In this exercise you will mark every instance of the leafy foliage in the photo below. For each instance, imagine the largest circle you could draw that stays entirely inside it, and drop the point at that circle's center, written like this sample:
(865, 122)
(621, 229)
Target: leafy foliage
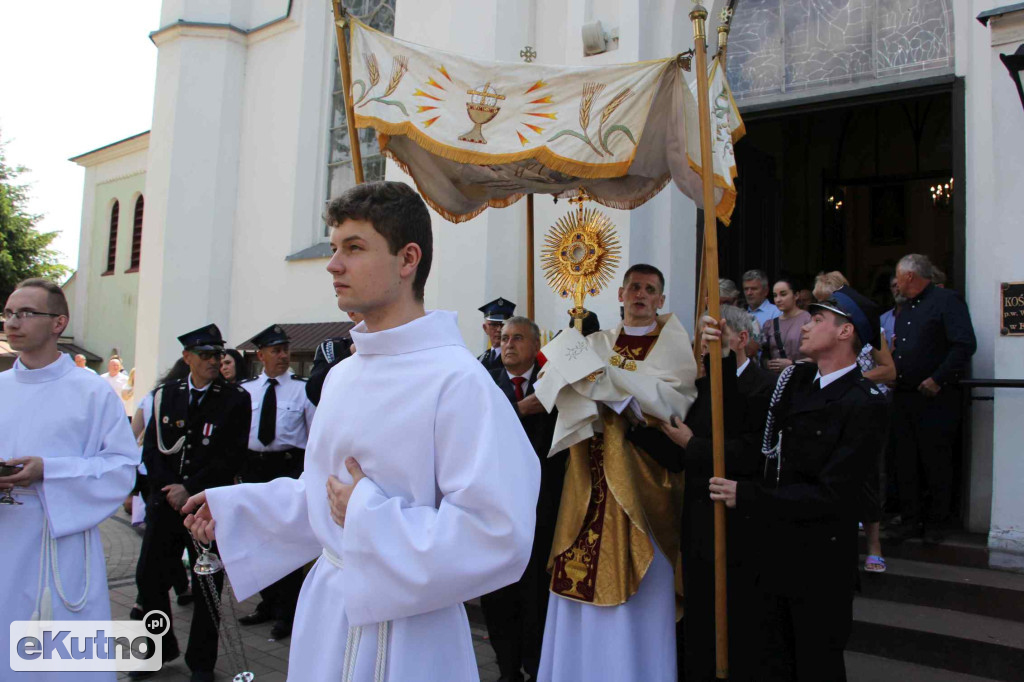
(24, 251)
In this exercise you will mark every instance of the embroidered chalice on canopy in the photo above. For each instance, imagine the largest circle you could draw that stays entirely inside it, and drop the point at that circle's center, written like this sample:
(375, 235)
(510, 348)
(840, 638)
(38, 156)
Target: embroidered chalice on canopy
(482, 107)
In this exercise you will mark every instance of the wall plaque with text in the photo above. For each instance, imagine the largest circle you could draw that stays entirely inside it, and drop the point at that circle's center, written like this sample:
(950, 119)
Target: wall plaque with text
(1012, 305)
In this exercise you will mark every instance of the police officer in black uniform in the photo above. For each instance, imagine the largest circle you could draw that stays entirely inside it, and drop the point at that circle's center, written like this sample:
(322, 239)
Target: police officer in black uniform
(495, 314)
(195, 440)
(281, 417)
(825, 428)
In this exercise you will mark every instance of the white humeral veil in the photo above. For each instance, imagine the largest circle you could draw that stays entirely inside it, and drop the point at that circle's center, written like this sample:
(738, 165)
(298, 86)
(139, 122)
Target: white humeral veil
(634, 641)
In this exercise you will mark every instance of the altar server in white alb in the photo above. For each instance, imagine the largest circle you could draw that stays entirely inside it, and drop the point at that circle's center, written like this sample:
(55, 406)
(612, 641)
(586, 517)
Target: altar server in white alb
(420, 485)
(66, 429)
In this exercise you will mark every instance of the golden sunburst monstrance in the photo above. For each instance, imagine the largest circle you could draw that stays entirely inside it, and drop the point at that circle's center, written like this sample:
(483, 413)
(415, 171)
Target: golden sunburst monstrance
(581, 253)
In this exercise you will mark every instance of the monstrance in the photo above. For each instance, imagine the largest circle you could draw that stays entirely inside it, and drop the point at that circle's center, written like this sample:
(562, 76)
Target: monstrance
(581, 254)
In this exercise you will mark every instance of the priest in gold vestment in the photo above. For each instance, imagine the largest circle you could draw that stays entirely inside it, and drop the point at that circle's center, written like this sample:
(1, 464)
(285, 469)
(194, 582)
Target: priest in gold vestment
(614, 561)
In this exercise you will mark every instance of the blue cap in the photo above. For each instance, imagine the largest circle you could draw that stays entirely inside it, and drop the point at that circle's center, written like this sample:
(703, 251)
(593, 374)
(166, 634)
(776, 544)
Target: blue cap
(859, 310)
(498, 310)
(271, 336)
(206, 338)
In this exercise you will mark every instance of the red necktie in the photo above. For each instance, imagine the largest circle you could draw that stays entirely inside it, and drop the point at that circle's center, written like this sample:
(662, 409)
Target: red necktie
(519, 381)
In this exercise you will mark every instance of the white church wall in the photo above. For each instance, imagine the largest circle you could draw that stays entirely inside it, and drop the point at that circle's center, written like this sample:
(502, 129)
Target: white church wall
(193, 181)
(997, 259)
(280, 184)
(972, 59)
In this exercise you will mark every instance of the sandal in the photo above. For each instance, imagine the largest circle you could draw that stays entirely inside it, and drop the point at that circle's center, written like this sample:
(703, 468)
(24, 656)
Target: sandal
(874, 564)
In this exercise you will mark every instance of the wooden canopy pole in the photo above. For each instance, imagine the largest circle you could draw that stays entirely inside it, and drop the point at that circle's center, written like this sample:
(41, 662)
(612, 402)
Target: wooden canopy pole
(699, 308)
(346, 83)
(699, 17)
(529, 258)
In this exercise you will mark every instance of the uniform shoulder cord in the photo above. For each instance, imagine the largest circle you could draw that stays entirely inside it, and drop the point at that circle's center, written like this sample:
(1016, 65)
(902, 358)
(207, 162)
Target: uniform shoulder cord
(774, 452)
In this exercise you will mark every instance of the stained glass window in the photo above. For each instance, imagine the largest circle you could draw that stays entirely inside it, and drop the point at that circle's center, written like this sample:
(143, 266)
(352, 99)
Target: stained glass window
(780, 47)
(380, 14)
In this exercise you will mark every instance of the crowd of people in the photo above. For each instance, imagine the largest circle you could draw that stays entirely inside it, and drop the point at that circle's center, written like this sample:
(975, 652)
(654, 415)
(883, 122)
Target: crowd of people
(572, 489)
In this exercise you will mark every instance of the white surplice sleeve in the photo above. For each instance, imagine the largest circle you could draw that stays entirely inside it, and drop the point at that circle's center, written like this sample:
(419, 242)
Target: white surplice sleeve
(263, 531)
(400, 561)
(79, 491)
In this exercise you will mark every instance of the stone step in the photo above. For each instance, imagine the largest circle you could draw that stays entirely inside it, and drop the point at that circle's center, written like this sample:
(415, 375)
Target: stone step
(983, 592)
(957, 549)
(943, 639)
(867, 668)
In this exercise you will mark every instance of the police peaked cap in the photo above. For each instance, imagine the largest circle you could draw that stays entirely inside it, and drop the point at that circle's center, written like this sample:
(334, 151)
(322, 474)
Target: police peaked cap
(271, 336)
(859, 310)
(206, 338)
(498, 310)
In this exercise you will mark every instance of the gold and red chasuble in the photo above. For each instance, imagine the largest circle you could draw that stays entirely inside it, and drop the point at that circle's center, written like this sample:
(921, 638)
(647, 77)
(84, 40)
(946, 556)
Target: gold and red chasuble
(600, 555)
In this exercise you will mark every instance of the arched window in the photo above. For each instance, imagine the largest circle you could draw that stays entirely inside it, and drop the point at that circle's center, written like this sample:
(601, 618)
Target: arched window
(137, 236)
(115, 212)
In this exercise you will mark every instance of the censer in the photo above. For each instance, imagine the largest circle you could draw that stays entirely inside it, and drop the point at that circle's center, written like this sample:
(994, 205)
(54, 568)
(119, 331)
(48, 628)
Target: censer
(208, 564)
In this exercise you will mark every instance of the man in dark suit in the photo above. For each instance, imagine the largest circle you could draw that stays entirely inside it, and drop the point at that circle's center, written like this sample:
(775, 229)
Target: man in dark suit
(196, 440)
(826, 425)
(495, 314)
(934, 342)
(686, 446)
(515, 614)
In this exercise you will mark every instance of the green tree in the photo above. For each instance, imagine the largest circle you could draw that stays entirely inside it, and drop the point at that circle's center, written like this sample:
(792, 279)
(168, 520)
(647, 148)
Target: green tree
(24, 251)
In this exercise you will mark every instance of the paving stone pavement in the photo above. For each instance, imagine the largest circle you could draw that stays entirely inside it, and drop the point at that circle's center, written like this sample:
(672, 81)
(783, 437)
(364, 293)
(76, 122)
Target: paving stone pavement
(267, 658)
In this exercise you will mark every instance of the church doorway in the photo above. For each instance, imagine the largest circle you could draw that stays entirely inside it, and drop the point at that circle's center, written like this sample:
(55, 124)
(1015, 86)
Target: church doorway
(851, 184)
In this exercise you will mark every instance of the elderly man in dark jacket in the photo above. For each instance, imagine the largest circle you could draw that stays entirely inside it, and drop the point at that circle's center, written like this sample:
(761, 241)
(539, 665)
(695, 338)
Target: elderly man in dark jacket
(932, 347)
(826, 426)
(515, 614)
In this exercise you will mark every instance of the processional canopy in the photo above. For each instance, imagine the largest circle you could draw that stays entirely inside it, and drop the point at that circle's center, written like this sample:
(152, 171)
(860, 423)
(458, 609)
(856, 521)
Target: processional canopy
(475, 134)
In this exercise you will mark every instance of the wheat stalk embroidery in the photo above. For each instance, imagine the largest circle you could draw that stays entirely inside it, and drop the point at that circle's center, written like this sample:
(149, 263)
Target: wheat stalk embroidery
(373, 72)
(591, 91)
(606, 114)
(399, 67)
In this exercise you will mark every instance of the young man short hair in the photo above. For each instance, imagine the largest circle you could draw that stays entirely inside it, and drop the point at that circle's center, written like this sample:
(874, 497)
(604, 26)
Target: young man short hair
(420, 486)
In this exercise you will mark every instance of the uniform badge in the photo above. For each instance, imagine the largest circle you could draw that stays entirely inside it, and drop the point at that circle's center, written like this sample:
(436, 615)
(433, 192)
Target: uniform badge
(166, 420)
(206, 441)
(874, 392)
(180, 423)
(207, 431)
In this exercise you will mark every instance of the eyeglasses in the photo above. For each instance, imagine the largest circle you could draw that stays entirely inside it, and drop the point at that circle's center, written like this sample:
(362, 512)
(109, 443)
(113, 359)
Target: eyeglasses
(206, 355)
(9, 315)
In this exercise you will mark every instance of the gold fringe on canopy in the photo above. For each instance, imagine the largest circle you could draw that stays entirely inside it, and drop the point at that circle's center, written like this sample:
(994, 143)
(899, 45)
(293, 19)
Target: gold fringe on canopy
(475, 134)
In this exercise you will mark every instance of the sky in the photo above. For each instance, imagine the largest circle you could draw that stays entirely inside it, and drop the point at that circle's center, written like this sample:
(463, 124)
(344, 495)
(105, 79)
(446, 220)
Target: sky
(76, 76)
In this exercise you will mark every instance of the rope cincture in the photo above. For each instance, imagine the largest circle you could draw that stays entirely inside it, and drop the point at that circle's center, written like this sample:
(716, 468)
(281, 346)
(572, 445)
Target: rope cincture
(774, 452)
(355, 635)
(49, 563)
